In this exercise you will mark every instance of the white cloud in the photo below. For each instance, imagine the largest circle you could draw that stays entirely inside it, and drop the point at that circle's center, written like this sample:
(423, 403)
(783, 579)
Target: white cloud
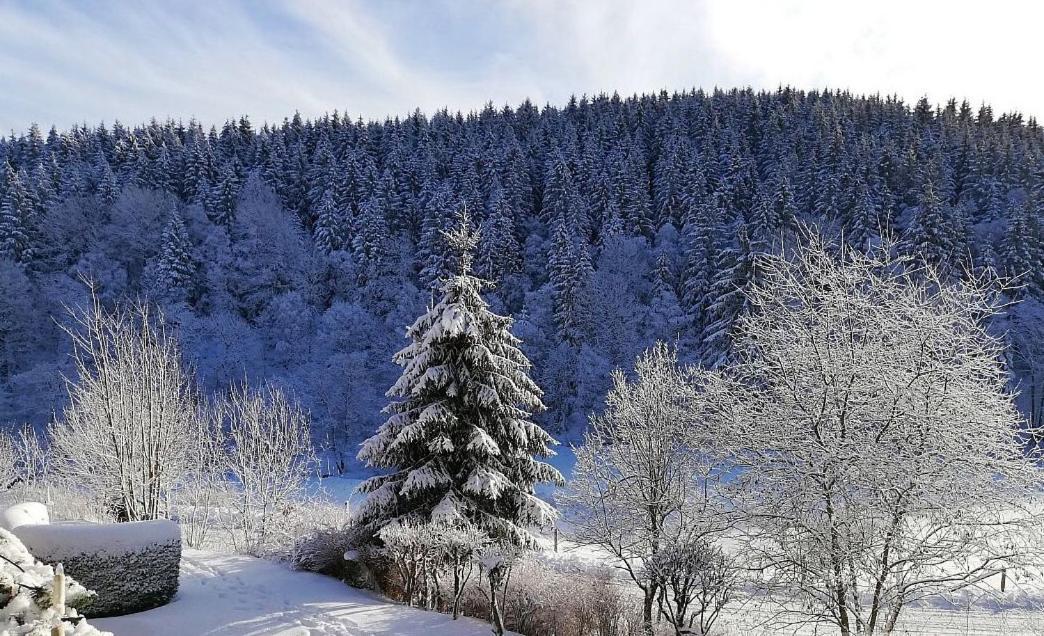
(61, 64)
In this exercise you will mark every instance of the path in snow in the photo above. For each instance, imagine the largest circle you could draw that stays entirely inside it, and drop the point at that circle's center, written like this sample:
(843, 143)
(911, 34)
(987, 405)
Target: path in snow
(233, 595)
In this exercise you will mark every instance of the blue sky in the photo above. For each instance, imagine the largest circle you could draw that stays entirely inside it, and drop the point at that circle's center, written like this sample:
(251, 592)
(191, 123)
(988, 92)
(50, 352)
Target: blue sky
(89, 60)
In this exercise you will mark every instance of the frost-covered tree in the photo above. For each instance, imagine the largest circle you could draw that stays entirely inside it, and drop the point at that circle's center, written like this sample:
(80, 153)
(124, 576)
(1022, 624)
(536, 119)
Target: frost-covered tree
(126, 436)
(331, 229)
(696, 580)
(269, 456)
(879, 455)
(176, 267)
(459, 438)
(569, 269)
(15, 218)
(646, 476)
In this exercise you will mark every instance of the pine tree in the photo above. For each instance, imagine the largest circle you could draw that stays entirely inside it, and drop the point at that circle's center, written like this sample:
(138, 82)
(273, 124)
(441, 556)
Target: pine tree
(936, 234)
(370, 237)
(733, 272)
(669, 181)
(1022, 253)
(176, 267)
(863, 222)
(431, 252)
(221, 202)
(569, 268)
(15, 218)
(499, 253)
(331, 225)
(666, 319)
(108, 188)
(459, 439)
(703, 241)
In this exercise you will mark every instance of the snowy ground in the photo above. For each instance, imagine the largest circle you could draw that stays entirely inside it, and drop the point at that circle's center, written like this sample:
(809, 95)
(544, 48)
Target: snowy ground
(232, 595)
(1020, 612)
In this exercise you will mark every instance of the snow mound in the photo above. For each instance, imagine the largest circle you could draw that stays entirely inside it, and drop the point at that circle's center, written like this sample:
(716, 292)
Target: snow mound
(20, 514)
(131, 566)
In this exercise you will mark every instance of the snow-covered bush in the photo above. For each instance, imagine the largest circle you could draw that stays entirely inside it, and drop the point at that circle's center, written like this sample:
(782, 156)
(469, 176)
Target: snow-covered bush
(269, 458)
(131, 567)
(414, 549)
(324, 535)
(8, 461)
(696, 580)
(27, 593)
(540, 598)
(203, 488)
(127, 434)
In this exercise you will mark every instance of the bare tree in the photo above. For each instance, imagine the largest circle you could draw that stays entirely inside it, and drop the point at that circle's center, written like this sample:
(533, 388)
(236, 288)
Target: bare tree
(203, 488)
(269, 458)
(696, 581)
(126, 436)
(647, 474)
(880, 457)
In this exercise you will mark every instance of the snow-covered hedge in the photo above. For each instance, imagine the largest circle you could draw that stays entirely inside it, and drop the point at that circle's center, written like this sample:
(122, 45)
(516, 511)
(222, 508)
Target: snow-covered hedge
(131, 566)
(26, 593)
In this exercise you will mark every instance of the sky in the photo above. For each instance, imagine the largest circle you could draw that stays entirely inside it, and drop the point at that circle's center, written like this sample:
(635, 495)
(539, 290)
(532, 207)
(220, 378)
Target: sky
(91, 61)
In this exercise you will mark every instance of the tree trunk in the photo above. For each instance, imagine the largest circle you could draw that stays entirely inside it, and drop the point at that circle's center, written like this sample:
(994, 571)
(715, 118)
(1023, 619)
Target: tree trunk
(647, 609)
(494, 602)
(456, 593)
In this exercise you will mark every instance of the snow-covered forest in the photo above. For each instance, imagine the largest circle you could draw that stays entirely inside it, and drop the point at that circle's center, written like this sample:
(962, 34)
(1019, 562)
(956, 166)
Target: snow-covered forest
(297, 253)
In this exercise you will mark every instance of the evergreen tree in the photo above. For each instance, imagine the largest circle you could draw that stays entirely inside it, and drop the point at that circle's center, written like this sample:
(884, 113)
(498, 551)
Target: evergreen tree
(331, 225)
(569, 268)
(370, 238)
(176, 268)
(459, 440)
(432, 251)
(15, 219)
(666, 320)
(704, 239)
(936, 234)
(499, 253)
(1022, 252)
(221, 203)
(733, 272)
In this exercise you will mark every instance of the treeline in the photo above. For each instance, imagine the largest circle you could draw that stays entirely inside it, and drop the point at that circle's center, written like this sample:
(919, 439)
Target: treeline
(299, 251)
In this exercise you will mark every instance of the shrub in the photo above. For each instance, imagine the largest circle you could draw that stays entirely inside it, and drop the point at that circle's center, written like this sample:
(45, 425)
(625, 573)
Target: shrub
(131, 566)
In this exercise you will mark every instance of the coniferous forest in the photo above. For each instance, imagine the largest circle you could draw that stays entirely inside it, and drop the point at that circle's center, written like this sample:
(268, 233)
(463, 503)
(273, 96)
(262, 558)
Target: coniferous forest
(300, 251)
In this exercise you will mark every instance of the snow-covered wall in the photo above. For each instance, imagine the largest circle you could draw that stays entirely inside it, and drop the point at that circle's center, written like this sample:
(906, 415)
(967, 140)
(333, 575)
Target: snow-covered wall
(132, 566)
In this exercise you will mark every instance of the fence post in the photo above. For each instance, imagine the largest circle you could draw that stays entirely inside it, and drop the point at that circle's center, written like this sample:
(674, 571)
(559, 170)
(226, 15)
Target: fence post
(556, 538)
(58, 599)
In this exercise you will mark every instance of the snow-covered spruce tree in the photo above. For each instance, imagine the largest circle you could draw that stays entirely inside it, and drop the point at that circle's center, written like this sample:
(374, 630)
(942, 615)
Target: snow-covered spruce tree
(459, 438)
(175, 268)
(879, 456)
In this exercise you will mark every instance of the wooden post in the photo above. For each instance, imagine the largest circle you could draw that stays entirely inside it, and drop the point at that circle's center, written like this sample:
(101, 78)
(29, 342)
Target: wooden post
(1004, 579)
(556, 538)
(58, 599)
